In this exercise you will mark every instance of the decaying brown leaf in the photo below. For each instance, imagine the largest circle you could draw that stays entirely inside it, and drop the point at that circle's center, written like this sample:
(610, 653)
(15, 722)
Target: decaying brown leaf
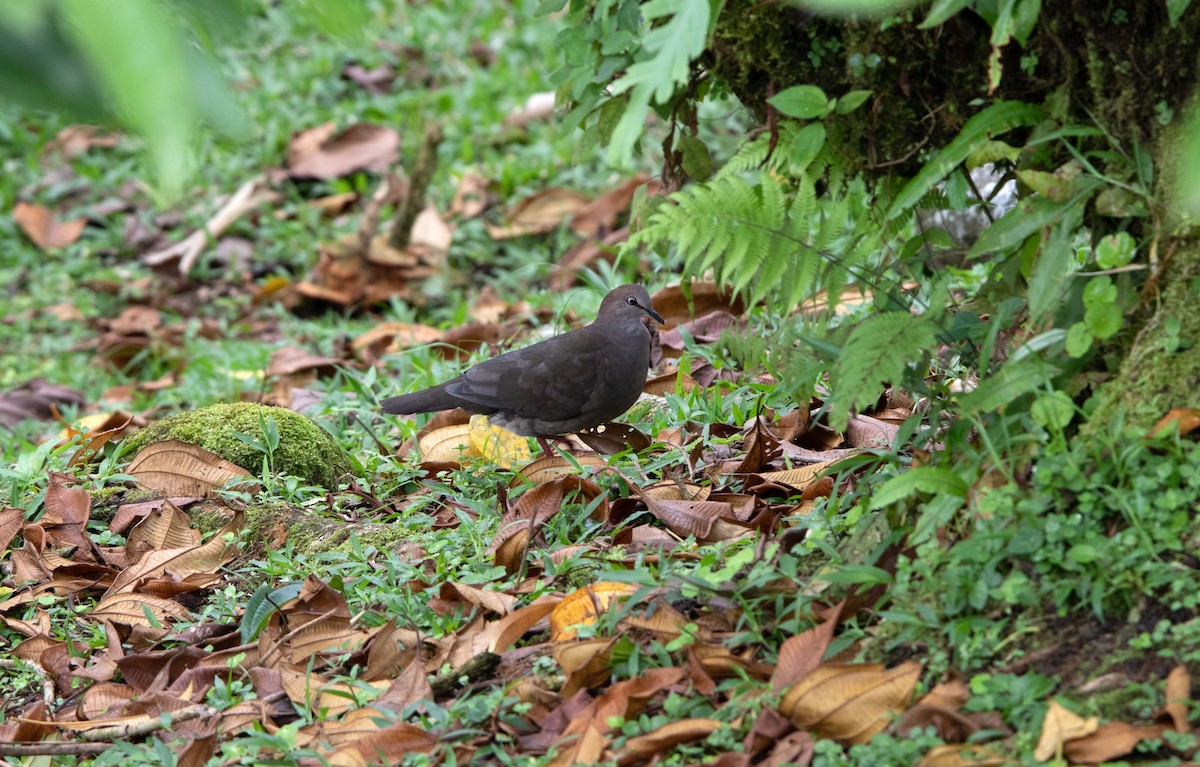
(1060, 725)
(849, 703)
(583, 606)
(172, 467)
(45, 230)
(325, 153)
(36, 399)
(539, 213)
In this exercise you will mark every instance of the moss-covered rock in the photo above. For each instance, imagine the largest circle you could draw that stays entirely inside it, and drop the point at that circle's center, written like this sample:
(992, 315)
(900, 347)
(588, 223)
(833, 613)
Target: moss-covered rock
(305, 449)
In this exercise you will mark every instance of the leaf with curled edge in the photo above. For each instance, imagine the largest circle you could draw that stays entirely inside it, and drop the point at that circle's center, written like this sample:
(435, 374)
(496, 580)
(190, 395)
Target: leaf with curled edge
(173, 467)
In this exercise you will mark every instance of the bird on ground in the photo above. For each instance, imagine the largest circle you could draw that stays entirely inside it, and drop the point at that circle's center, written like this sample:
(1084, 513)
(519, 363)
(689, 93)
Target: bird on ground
(565, 384)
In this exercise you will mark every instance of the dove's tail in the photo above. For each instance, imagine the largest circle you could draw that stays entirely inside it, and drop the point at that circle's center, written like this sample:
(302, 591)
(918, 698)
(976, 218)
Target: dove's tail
(425, 401)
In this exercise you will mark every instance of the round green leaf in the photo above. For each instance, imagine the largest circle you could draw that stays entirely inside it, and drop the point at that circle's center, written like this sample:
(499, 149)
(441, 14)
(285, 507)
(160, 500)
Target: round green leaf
(1079, 340)
(1115, 250)
(803, 102)
(1099, 290)
(1053, 411)
(1103, 319)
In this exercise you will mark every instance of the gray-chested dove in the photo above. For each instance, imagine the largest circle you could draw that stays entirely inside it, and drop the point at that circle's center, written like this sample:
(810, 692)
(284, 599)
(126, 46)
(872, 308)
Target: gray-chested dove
(565, 384)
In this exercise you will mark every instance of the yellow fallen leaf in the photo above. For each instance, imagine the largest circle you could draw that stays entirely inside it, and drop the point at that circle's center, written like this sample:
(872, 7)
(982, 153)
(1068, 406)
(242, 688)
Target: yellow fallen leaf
(498, 445)
(1060, 725)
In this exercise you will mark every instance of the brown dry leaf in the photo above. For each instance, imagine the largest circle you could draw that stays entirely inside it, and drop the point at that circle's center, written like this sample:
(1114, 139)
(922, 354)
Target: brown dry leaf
(645, 747)
(321, 154)
(586, 663)
(668, 490)
(470, 197)
(549, 467)
(704, 329)
(539, 213)
(534, 508)
(1059, 726)
(676, 307)
(582, 254)
(707, 521)
(496, 601)
(864, 431)
(850, 703)
(182, 562)
(36, 400)
(448, 444)
(799, 477)
(390, 337)
(43, 229)
(331, 206)
(583, 606)
(504, 633)
(586, 737)
(173, 467)
(376, 80)
(129, 513)
(75, 140)
(961, 755)
(300, 365)
(429, 230)
(598, 217)
(105, 700)
(673, 382)
(1179, 692)
(612, 438)
(387, 746)
(164, 528)
(800, 655)
(11, 521)
(138, 610)
(1109, 741)
(1181, 419)
(96, 430)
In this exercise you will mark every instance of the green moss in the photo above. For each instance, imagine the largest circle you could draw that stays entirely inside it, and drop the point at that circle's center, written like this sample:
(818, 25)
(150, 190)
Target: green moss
(1152, 380)
(305, 450)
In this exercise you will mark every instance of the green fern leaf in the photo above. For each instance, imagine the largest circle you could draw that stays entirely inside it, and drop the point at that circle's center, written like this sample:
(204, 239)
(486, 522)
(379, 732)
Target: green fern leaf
(878, 351)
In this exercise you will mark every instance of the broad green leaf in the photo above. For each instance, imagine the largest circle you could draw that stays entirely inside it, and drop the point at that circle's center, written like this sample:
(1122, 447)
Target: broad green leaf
(697, 162)
(923, 479)
(1025, 19)
(803, 102)
(993, 121)
(1007, 384)
(262, 604)
(941, 10)
(1027, 217)
(1176, 9)
(806, 144)
(864, 575)
(1115, 250)
(1055, 263)
(159, 106)
(851, 101)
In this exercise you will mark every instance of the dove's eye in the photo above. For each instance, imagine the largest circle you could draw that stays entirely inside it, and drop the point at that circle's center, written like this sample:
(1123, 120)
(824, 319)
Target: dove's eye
(631, 301)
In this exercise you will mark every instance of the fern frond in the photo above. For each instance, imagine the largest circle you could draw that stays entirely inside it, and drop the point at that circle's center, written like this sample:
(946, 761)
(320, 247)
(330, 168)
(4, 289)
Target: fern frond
(878, 351)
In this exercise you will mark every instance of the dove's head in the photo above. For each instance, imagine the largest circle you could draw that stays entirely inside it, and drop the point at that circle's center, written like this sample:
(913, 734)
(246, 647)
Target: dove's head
(627, 301)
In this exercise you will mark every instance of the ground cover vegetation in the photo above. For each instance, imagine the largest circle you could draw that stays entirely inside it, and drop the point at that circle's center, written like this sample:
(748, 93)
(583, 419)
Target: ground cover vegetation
(895, 494)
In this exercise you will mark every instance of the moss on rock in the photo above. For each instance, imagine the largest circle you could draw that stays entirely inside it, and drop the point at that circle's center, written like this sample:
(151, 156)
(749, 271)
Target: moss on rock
(305, 449)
